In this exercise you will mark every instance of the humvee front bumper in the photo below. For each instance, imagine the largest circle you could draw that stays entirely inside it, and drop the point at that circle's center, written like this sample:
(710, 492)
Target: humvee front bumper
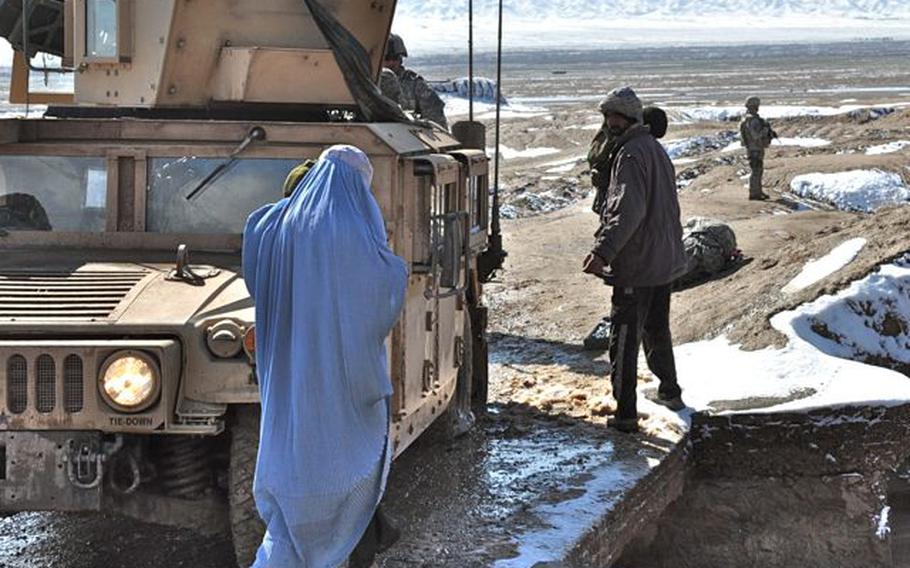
(51, 470)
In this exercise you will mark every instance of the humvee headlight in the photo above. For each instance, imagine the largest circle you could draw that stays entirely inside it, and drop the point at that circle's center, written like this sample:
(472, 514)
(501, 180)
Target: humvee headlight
(224, 339)
(130, 381)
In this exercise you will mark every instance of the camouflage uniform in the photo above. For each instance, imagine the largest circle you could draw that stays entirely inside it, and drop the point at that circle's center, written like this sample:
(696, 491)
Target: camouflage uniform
(389, 85)
(756, 135)
(419, 97)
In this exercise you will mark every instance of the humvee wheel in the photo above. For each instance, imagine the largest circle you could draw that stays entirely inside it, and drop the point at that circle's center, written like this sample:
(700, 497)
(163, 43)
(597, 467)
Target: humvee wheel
(247, 528)
(479, 353)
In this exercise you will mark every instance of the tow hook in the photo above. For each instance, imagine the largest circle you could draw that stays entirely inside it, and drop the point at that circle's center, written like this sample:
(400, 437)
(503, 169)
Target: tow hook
(85, 465)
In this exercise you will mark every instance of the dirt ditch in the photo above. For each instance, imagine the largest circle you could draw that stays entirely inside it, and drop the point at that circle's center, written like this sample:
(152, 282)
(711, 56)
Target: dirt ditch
(815, 490)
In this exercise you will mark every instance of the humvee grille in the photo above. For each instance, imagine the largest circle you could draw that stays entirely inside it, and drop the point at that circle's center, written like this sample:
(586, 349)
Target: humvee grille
(46, 380)
(60, 295)
(72, 384)
(46, 384)
(16, 384)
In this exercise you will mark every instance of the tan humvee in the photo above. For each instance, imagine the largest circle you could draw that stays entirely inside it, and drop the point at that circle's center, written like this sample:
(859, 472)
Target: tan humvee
(127, 378)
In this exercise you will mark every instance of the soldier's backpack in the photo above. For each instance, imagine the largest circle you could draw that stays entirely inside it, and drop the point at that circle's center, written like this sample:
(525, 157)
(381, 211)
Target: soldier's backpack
(710, 247)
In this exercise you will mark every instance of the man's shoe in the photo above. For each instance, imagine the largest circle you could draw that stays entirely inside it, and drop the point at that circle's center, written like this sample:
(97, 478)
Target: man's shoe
(627, 425)
(759, 197)
(675, 403)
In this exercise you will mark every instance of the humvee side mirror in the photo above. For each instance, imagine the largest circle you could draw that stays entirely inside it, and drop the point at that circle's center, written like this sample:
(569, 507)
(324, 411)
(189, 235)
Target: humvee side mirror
(451, 250)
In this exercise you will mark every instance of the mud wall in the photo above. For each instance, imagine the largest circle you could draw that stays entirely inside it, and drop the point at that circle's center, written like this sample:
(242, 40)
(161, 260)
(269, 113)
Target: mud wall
(802, 490)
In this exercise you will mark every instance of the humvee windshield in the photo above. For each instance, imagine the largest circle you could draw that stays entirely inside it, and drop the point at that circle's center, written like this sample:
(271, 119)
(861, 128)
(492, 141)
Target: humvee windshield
(52, 193)
(226, 203)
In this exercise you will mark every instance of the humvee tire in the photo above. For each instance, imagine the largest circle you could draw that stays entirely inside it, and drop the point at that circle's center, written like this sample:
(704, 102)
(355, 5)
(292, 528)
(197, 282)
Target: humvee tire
(479, 354)
(247, 529)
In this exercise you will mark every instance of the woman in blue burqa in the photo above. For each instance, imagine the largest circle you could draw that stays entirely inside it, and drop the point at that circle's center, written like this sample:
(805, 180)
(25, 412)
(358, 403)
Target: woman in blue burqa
(328, 290)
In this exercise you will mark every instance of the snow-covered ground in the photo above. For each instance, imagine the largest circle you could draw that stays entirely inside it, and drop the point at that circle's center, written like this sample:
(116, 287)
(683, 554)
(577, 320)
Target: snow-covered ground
(797, 142)
(686, 114)
(888, 148)
(855, 190)
(438, 26)
(818, 270)
(687, 147)
(815, 369)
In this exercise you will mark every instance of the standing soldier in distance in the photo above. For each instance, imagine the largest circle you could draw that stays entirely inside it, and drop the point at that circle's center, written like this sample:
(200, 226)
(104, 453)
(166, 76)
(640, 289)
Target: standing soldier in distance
(756, 135)
(414, 94)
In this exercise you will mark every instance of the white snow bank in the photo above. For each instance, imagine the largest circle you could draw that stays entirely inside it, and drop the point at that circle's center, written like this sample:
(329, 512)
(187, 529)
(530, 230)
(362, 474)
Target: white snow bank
(808, 372)
(855, 190)
(801, 142)
(888, 148)
(871, 319)
(510, 153)
(686, 147)
(817, 270)
(562, 169)
(458, 107)
(735, 113)
(798, 142)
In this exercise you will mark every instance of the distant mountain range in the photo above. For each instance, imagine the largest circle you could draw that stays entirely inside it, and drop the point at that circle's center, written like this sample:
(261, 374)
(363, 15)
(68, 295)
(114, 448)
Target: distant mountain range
(656, 9)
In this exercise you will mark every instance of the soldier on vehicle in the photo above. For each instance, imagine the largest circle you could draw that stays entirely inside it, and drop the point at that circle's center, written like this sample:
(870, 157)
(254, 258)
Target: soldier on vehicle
(756, 135)
(639, 253)
(411, 91)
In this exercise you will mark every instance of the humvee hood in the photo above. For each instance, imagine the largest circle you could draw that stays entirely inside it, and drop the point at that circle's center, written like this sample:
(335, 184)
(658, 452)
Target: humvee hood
(123, 294)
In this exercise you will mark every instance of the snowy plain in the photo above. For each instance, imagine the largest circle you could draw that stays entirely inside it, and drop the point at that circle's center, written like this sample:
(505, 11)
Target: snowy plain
(437, 26)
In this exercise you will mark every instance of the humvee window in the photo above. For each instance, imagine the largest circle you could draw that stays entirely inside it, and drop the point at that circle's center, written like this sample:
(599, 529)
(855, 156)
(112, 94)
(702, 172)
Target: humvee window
(101, 28)
(52, 193)
(224, 206)
(478, 188)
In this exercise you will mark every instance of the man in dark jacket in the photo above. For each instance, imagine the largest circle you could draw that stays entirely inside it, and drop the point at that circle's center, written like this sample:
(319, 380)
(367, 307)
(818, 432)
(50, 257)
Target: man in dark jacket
(639, 252)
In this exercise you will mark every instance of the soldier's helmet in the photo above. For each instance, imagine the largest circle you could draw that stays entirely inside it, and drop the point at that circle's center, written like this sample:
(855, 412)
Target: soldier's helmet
(753, 103)
(395, 48)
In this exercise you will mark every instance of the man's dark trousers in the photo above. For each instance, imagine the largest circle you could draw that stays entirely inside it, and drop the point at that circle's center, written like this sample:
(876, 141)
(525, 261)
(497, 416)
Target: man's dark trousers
(641, 316)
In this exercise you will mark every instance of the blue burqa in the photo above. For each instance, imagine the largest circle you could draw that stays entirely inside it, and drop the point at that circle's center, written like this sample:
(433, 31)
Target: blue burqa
(328, 290)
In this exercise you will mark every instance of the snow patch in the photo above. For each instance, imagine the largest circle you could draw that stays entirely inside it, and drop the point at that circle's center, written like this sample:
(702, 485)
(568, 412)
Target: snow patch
(855, 190)
(883, 528)
(562, 169)
(813, 370)
(735, 113)
(511, 154)
(687, 147)
(799, 142)
(817, 270)
(888, 148)
(458, 106)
